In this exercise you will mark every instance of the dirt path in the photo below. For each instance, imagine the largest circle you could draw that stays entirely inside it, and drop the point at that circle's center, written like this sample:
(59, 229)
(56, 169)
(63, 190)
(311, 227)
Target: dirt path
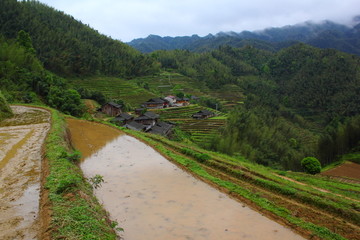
(21, 140)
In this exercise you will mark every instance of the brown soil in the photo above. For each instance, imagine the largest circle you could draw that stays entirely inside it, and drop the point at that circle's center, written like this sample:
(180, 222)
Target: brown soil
(347, 170)
(21, 140)
(90, 106)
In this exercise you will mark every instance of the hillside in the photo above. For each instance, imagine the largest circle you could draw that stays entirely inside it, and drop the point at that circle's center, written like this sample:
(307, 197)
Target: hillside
(68, 47)
(323, 35)
(300, 101)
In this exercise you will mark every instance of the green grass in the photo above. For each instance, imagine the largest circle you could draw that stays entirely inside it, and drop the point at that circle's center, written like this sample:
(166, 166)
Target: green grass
(76, 213)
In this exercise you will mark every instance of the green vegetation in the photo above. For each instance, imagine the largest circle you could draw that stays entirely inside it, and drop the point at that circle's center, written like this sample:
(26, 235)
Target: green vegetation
(96, 181)
(201, 157)
(23, 78)
(300, 101)
(5, 110)
(76, 214)
(201, 132)
(115, 88)
(68, 47)
(311, 165)
(280, 108)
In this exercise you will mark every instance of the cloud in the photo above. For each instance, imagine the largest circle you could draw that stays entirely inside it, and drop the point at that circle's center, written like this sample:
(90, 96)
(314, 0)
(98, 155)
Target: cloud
(126, 20)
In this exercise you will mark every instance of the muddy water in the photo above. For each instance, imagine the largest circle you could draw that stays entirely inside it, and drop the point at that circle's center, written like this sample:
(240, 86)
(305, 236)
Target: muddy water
(152, 198)
(21, 141)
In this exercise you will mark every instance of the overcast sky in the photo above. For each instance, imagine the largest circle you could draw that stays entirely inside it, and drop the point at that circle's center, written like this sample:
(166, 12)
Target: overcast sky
(129, 19)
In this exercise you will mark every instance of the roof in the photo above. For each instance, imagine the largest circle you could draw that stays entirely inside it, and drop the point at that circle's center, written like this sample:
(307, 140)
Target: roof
(113, 104)
(161, 128)
(204, 113)
(151, 115)
(123, 116)
(155, 100)
(148, 116)
(182, 99)
(135, 126)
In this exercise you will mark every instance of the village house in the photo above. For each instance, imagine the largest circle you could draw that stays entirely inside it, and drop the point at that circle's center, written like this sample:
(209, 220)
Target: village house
(161, 128)
(171, 100)
(156, 103)
(140, 111)
(203, 114)
(122, 119)
(135, 126)
(111, 109)
(148, 118)
(182, 102)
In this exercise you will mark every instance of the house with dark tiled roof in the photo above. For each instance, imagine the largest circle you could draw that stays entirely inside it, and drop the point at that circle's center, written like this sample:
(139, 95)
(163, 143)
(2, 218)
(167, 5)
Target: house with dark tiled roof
(111, 109)
(203, 114)
(122, 119)
(155, 103)
(135, 126)
(148, 118)
(161, 128)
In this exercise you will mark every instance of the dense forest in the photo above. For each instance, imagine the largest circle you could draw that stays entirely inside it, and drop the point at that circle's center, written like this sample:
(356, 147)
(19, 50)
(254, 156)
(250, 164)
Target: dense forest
(39, 46)
(301, 101)
(23, 78)
(323, 35)
(68, 47)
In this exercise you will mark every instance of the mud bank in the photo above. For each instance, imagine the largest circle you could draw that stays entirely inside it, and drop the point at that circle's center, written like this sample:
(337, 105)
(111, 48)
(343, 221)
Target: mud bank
(152, 198)
(21, 140)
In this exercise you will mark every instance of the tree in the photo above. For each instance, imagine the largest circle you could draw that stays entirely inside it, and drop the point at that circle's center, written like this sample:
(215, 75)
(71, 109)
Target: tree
(311, 165)
(67, 101)
(24, 40)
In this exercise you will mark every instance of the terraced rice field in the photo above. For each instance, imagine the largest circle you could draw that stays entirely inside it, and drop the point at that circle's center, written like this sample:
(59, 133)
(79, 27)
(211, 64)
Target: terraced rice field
(166, 81)
(316, 206)
(116, 88)
(201, 131)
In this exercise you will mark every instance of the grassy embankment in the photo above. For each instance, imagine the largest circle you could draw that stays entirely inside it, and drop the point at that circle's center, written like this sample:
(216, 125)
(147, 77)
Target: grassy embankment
(331, 212)
(5, 110)
(75, 212)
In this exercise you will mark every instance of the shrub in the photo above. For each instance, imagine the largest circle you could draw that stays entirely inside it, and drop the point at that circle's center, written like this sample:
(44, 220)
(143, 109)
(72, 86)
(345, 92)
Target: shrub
(311, 165)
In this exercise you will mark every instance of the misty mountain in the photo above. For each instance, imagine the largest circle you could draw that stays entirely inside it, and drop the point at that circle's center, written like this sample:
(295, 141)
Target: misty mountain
(323, 35)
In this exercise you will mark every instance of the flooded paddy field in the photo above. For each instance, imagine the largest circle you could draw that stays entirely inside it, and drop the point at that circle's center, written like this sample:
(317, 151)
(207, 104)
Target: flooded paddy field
(151, 198)
(21, 140)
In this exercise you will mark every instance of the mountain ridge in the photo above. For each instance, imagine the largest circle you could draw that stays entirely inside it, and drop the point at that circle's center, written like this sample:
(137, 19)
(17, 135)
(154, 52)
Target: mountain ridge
(326, 34)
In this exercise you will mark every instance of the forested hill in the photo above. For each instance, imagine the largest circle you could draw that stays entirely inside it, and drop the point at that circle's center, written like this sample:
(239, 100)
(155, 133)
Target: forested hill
(322, 35)
(300, 101)
(67, 46)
